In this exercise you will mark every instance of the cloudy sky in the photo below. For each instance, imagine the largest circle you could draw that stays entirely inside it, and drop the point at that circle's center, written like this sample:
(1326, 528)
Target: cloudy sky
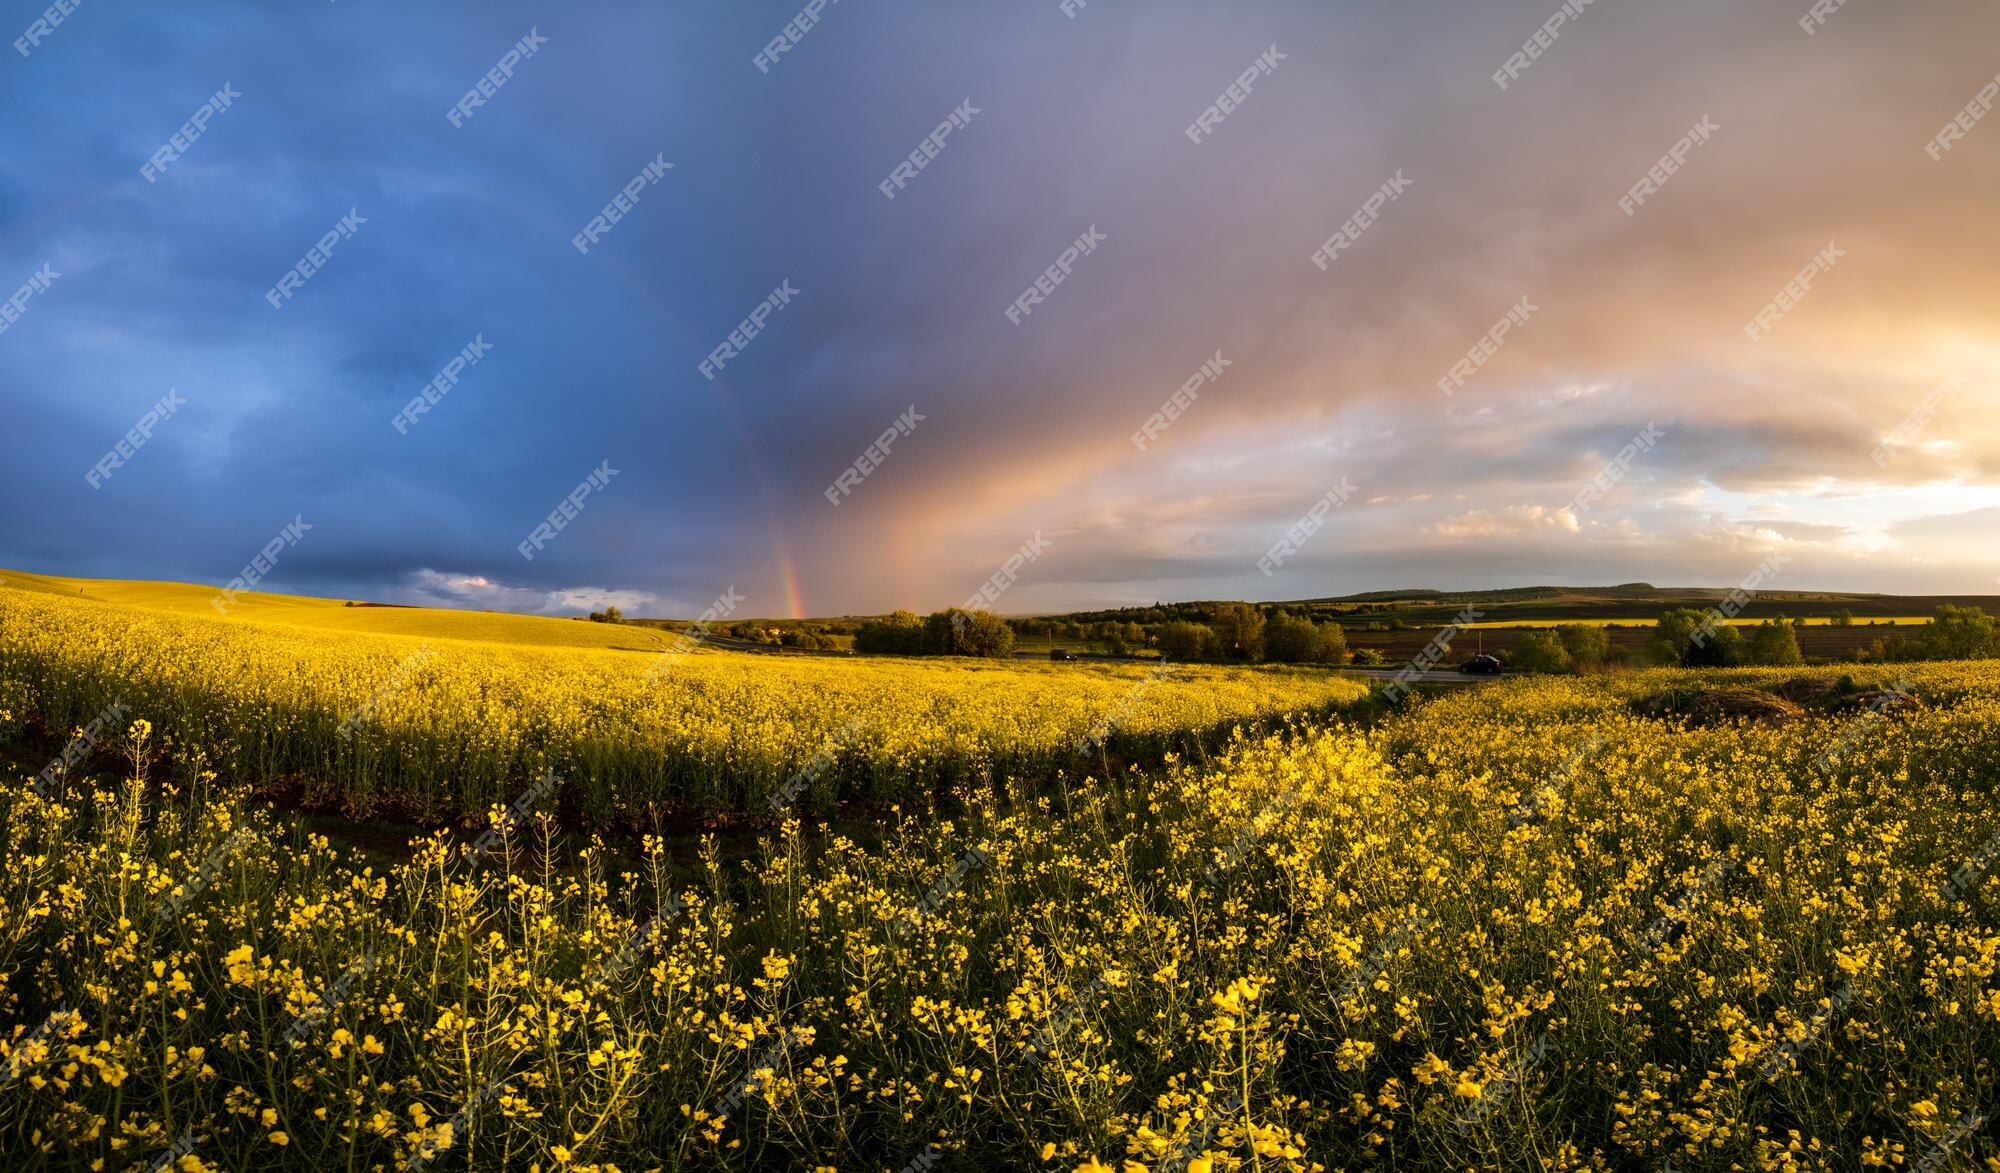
(1812, 155)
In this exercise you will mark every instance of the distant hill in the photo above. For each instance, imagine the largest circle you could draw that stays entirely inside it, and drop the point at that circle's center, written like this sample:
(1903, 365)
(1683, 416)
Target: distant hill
(1626, 601)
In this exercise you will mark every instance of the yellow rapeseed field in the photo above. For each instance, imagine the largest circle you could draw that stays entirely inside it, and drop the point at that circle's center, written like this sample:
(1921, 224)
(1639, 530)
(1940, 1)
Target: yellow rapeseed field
(1517, 927)
(447, 726)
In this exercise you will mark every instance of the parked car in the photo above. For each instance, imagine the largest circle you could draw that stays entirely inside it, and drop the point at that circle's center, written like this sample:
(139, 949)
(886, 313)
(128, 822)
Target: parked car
(1482, 666)
(1061, 654)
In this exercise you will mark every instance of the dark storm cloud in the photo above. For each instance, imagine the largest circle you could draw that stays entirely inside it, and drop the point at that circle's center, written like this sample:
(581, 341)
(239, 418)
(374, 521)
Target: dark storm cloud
(1079, 123)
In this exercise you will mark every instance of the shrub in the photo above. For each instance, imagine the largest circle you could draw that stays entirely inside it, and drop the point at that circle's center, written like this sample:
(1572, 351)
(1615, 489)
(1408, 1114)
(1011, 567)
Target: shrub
(1542, 651)
(1288, 640)
(1588, 646)
(1181, 640)
(1773, 643)
(900, 633)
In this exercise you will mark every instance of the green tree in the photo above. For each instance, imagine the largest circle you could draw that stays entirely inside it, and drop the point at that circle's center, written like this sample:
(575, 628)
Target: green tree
(1774, 643)
(1239, 627)
(1588, 645)
(1542, 651)
(1181, 640)
(1958, 633)
(900, 633)
(1689, 639)
(1287, 640)
(957, 632)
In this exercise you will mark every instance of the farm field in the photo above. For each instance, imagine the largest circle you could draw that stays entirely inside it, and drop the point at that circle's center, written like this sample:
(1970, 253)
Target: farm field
(334, 615)
(1807, 621)
(1521, 926)
(1819, 642)
(448, 727)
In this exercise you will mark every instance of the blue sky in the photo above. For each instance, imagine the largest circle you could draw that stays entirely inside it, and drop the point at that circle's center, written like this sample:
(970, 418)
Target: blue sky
(1080, 122)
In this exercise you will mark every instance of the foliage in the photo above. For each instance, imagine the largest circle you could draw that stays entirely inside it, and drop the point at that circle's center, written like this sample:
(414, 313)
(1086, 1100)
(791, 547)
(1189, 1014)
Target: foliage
(1588, 645)
(1301, 641)
(1183, 641)
(1239, 630)
(1517, 926)
(447, 728)
(1773, 643)
(1958, 633)
(1542, 651)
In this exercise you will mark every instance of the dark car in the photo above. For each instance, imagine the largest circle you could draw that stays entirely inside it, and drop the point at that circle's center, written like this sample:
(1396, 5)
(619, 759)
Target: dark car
(1061, 654)
(1481, 666)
